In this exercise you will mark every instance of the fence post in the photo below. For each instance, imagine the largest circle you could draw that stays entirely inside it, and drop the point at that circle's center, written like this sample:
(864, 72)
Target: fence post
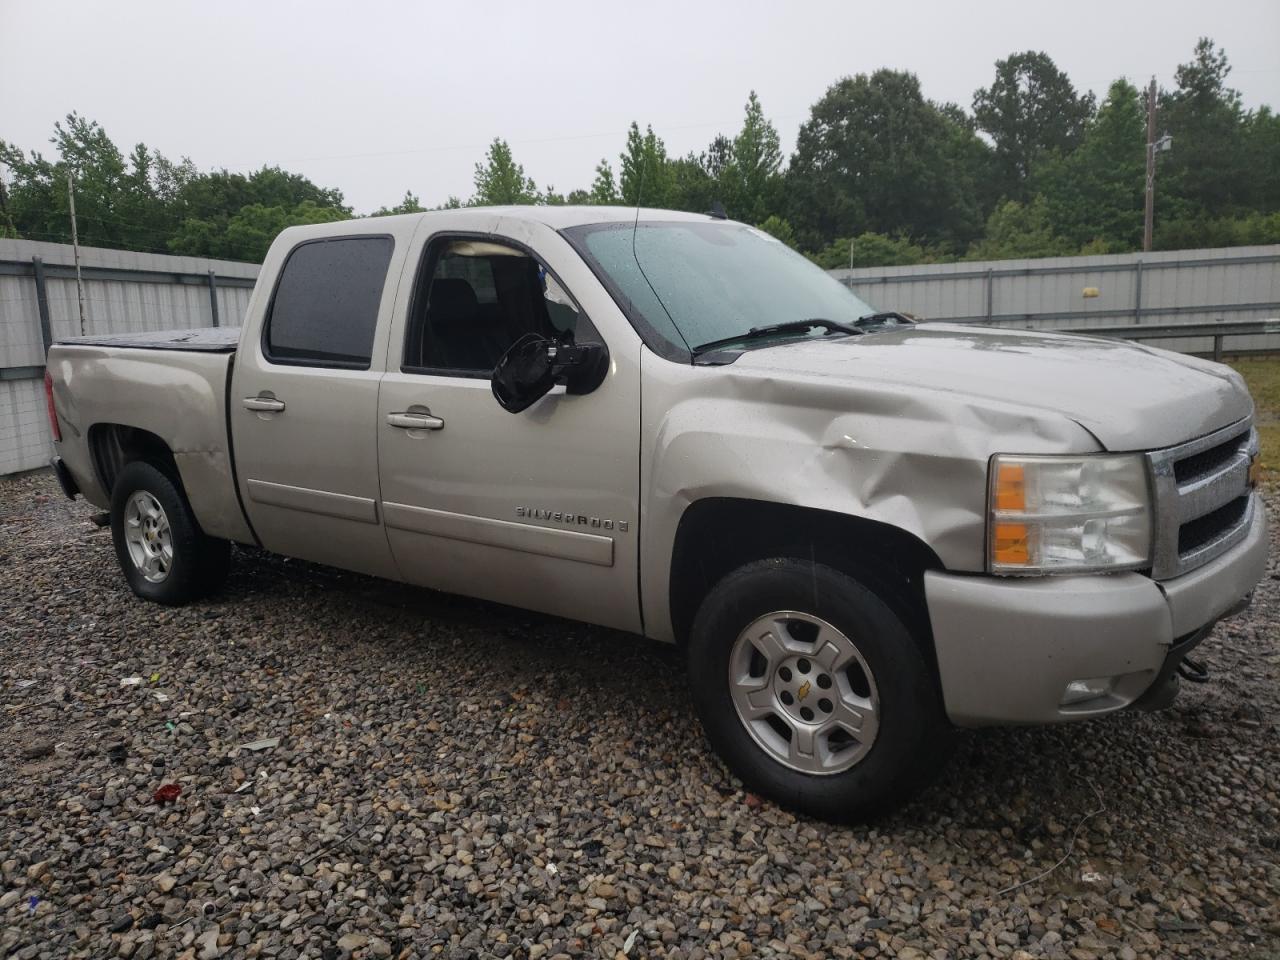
(213, 297)
(990, 291)
(42, 303)
(1137, 292)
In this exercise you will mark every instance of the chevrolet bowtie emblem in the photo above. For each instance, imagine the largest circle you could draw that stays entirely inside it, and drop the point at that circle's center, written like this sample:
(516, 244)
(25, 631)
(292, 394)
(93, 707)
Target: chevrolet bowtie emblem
(804, 690)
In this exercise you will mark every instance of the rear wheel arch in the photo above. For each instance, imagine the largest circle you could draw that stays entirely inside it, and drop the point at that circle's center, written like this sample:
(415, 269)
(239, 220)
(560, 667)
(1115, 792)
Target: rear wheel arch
(113, 446)
(721, 534)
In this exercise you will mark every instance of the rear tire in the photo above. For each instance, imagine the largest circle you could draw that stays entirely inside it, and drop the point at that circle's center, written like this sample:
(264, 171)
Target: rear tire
(164, 555)
(814, 692)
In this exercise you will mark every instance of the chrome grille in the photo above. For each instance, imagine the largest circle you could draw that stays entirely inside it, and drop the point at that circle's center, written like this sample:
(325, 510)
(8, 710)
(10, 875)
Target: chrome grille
(1203, 503)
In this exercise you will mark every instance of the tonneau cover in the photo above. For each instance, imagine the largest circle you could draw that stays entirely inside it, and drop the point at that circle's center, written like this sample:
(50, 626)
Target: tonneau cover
(203, 340)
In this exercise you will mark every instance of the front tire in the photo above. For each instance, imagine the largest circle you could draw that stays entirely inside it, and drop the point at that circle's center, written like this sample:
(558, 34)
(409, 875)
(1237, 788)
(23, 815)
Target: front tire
(813, 690)
(164, 555)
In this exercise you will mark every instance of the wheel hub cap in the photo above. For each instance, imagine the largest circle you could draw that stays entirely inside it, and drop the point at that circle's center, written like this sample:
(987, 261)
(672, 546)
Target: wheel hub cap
(804, 692)
(147, 536)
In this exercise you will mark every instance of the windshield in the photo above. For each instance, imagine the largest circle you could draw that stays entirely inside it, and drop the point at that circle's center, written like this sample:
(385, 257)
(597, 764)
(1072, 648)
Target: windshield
(709, 281)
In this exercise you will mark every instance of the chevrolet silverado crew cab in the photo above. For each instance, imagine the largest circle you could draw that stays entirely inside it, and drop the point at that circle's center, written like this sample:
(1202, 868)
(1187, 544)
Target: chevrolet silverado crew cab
(863, 531)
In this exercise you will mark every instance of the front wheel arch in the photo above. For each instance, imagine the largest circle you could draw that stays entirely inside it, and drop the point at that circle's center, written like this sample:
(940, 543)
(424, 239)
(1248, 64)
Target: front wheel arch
(717, 535)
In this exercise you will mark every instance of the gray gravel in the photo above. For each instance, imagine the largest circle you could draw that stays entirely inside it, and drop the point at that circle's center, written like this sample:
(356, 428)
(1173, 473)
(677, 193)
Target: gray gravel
(458, 779)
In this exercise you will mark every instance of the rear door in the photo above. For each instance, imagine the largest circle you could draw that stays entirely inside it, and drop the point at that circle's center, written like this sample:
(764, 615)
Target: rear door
(537, 509)
(304, 396)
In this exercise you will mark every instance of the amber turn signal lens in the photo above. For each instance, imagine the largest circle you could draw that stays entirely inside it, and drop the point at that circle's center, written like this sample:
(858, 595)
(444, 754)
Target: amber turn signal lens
(1009, 544)
(1011, 487)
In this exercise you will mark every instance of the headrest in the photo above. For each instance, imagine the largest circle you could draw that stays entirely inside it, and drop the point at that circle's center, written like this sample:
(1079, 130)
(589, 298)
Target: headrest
(452, 298)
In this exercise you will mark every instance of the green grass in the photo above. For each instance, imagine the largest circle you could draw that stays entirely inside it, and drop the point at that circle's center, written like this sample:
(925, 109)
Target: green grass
(1262, 374)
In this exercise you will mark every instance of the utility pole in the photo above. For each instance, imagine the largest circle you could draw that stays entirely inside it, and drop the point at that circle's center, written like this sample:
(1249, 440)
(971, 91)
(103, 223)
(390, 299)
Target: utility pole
(1149, 210)
(75, 245)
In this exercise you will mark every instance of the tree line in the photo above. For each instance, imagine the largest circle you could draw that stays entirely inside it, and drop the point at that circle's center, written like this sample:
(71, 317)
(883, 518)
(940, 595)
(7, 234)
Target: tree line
(879, 175)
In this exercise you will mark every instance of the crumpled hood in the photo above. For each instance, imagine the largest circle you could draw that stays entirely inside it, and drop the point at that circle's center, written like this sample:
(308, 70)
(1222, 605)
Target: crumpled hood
(1128, 396)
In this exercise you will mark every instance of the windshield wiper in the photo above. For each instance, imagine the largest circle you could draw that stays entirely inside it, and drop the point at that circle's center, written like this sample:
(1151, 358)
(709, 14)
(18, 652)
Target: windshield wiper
(889, 318)
(791, 326)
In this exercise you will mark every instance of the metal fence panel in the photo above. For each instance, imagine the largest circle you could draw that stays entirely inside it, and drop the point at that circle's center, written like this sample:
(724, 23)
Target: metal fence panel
(124, 292)
(1171, 286)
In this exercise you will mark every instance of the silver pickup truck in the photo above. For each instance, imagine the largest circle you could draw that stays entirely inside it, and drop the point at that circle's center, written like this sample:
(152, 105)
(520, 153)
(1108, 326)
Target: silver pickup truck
(863, 531)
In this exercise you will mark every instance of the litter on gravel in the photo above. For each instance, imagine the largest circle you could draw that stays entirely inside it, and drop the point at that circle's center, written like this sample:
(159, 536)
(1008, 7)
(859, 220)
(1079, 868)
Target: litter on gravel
(256, 745)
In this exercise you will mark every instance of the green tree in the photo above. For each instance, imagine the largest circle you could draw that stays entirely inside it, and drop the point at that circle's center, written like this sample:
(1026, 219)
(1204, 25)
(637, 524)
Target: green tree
(644, 174)
(410, 204)
(1016, 230)
(875, 156)
(7, 227)
(1260, 156)
(1030, 110)
(1095, 192)
(604, 190)
(870, 250)
(1251, 229)
(205, 205)
(780, 229)
(751, 170)
(115, 199)
(253, 228)
(1205, 174)
(144, 201)
(692, 187)
(500, 180)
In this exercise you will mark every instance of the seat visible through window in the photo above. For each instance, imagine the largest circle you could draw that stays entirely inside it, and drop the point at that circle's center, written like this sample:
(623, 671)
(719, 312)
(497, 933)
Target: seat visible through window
(480, 298)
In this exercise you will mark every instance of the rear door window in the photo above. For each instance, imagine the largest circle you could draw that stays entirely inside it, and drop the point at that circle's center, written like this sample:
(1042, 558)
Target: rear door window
(325, 308)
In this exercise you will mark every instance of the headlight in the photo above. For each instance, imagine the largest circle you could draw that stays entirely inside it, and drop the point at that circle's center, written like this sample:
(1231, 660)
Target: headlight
(1068, 514)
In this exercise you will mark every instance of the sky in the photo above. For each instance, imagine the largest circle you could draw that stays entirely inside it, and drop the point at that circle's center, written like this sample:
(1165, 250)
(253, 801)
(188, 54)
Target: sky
(376, 98)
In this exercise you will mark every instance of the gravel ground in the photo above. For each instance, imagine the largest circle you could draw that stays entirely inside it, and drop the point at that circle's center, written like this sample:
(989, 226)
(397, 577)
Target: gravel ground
(460, 779)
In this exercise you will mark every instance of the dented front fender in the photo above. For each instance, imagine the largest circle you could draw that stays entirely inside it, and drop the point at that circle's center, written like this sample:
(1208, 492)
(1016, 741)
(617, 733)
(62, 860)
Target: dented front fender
(903, 455)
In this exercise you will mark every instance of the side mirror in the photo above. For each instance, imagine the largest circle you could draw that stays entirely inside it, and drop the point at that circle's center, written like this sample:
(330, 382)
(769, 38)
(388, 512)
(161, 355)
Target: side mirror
(534, 364)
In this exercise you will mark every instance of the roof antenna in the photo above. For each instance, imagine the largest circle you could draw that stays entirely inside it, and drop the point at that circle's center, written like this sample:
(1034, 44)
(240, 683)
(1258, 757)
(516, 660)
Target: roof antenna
(635, 228)
(717, 211)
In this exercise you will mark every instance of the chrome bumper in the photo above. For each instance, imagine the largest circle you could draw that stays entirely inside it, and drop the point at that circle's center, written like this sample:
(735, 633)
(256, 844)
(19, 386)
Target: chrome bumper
(1008, 648)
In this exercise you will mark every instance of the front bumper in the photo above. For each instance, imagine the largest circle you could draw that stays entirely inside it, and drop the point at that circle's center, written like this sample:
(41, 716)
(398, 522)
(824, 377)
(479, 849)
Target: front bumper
(1008, 648)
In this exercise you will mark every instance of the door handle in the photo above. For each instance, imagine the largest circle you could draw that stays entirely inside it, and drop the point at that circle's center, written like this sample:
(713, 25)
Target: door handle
(415, 421)
(263, 404)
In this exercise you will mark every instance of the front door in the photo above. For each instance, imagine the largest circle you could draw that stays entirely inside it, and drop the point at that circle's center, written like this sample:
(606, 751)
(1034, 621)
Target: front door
(304, 403)
(536, 509)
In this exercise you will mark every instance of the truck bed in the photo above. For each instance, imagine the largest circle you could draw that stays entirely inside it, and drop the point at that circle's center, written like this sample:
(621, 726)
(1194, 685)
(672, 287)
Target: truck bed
(170, 384)
(202, 340)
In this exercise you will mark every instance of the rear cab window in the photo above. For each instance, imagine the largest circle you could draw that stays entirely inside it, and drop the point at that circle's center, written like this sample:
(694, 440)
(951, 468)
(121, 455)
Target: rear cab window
(324, 311)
